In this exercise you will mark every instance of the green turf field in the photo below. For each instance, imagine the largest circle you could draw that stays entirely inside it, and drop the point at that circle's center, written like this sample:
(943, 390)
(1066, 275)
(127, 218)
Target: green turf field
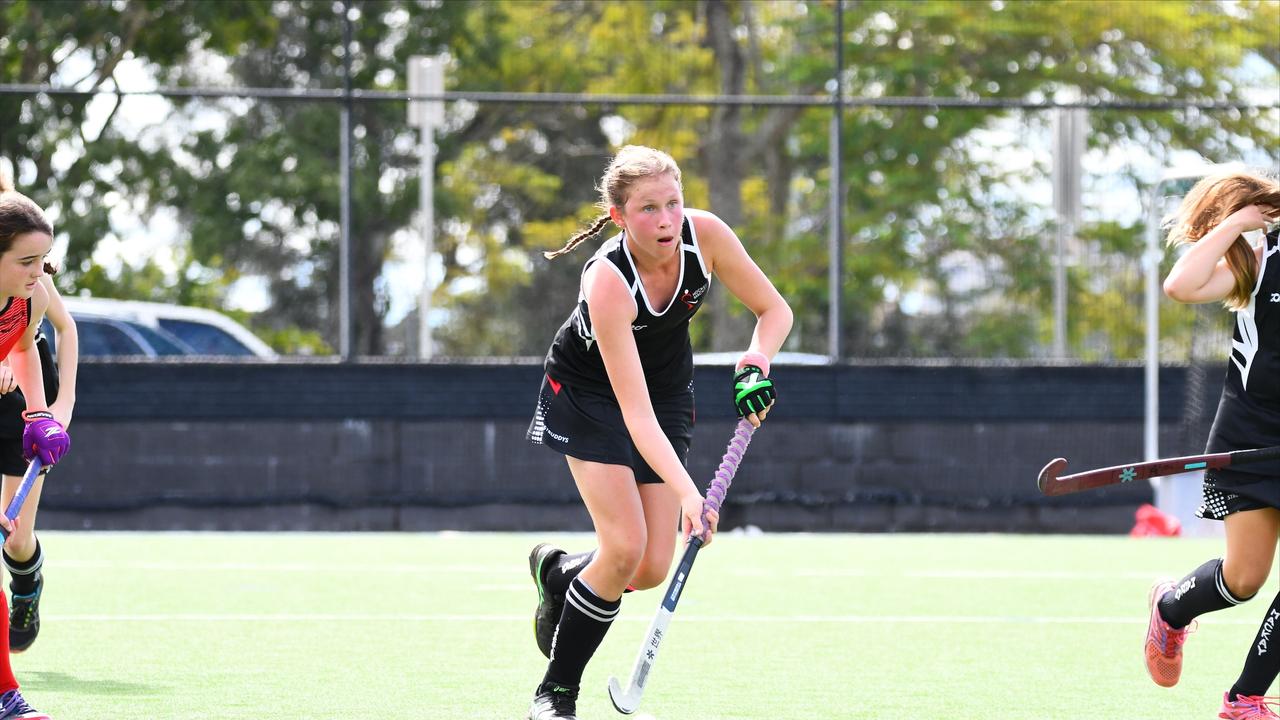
(773, 627)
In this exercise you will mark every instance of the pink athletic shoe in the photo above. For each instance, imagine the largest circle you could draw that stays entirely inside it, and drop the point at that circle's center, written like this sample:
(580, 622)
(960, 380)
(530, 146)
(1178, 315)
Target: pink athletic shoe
(1164, 644)
(1248, 707)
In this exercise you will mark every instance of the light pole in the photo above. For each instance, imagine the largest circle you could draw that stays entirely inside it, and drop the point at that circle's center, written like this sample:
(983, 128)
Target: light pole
(1069, 128)
(1174, 495)
(426, 77)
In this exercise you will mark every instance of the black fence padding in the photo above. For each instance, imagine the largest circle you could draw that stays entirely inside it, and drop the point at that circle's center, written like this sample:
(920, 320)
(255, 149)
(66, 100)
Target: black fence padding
(386, 445)
(437, 391)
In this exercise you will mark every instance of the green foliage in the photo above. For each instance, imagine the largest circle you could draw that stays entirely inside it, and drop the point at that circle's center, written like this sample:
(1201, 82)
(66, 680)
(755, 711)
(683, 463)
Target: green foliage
(943, 253)
(295, 341)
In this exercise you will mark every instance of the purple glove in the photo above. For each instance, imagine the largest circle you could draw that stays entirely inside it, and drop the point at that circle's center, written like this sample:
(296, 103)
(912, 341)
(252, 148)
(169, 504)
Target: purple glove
(44, 438)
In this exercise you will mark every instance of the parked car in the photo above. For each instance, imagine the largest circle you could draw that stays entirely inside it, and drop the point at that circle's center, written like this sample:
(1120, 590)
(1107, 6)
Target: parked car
(132, 327)
(102, 335)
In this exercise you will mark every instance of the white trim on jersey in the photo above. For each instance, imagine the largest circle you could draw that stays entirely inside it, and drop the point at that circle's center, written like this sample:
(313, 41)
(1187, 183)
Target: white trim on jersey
(626, 249)
(697, 249)
(1247, 346)
(631, 287)
(587, 334)
(1247, 324)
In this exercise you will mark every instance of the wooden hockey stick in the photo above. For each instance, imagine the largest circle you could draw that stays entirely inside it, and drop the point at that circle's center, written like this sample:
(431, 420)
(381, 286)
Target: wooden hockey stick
(1051, 484)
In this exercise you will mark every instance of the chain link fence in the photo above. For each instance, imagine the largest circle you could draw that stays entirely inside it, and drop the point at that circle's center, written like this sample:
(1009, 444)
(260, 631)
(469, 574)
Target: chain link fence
(964, 227)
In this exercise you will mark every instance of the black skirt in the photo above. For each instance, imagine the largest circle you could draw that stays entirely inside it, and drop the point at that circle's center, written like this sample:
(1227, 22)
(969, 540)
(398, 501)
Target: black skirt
(1227, 492)
(589, 426)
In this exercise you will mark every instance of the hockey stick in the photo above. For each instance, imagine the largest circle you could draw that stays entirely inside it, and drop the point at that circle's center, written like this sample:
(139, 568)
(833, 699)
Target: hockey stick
(1051, 484)
(19, 497)
(626, 701)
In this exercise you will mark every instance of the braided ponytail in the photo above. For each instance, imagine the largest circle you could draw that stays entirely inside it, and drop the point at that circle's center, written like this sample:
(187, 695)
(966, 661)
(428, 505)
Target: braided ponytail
(578, 237)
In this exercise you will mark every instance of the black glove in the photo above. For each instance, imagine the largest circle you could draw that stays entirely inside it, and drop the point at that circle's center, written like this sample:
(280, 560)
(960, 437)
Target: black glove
(752, 391)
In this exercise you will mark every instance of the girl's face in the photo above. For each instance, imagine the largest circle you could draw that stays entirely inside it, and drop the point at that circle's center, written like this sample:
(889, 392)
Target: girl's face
(653, 215)
(23, 264)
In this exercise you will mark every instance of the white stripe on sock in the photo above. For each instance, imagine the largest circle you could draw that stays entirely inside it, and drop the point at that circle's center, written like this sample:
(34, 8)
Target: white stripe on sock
(1222, 588)
(577, 599)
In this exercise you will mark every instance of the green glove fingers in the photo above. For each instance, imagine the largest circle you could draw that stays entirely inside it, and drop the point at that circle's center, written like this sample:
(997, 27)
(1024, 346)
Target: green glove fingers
(752, 391)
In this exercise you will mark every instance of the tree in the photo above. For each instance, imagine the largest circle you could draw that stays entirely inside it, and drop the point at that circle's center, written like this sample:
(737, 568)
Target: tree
(102, 168)
(944, 253)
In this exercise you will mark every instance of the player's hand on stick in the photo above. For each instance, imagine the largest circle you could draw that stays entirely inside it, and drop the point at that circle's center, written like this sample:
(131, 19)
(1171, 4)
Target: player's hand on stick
(753, 393)
(44, 437)
(691, 514)
(10, 527)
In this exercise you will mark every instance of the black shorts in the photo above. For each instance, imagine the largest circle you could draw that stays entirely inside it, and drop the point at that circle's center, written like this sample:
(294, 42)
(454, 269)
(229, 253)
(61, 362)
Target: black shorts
(11, 406)
(1227, 492)
(588, 425)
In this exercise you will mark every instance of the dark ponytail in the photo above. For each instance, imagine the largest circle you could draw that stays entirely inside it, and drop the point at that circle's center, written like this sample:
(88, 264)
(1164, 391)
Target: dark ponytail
(18, 215)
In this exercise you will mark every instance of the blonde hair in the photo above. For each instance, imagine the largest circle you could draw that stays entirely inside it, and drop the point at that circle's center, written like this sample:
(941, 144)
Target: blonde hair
(18, 215)
(632, 164)
(1208, 204)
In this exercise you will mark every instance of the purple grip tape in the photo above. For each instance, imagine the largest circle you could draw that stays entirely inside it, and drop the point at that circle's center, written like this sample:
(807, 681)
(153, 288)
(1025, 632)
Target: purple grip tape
(728, 468)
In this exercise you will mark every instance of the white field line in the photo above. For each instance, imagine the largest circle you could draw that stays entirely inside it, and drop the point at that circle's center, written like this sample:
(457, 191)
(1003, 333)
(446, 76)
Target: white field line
(301, 567)
(986, 574)
(771, 619)
(500, 570)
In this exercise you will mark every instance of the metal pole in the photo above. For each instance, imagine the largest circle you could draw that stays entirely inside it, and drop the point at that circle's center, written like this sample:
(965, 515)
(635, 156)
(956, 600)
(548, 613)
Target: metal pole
(1069, 129)
(1151, 266)
(426, 77)
(426, 201)
(836, 235)
(345, 344)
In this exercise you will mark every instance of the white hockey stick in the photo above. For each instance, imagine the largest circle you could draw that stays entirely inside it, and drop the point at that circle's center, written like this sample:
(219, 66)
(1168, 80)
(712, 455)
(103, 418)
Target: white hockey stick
(626, 701)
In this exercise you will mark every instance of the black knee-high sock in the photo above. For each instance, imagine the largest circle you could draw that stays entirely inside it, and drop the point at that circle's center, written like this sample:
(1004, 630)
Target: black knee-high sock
(1201, 592)
(24, 573)
(582, 627)
(1263, 663)
(565, 569)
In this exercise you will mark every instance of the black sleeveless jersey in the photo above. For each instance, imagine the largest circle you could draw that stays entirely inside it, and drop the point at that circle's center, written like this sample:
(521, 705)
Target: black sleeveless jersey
(1249, 412)
(661, 327)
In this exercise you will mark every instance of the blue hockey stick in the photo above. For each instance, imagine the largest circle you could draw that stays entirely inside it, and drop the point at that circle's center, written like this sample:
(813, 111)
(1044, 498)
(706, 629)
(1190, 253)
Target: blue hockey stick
(20, 497)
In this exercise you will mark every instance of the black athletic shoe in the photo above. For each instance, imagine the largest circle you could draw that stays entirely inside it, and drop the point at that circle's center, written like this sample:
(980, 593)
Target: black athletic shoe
(554, 702)
(547, 616)
(24, 618)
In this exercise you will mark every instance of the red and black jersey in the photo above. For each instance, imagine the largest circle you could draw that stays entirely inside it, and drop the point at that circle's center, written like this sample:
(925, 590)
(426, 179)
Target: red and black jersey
(1249, 412)
(14, 320)
(661, 327)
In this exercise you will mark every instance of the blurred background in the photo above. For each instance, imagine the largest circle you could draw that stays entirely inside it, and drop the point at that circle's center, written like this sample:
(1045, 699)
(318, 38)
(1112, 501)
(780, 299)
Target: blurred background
(960, 200)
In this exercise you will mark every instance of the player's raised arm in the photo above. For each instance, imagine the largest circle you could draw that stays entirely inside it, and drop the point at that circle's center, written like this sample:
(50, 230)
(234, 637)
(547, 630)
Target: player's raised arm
(1203, 274)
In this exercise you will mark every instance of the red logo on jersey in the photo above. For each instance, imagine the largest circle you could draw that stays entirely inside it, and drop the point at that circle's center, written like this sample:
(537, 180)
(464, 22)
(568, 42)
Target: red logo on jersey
(689, 300)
